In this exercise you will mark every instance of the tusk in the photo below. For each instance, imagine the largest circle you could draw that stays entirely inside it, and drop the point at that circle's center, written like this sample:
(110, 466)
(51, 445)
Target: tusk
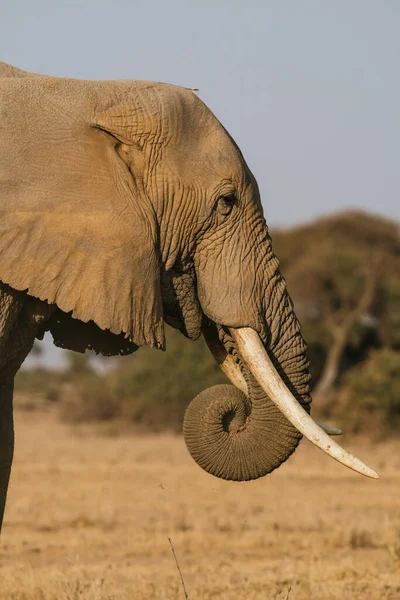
(226, 361)
(233, 373)
(330, 430)
(255, 356)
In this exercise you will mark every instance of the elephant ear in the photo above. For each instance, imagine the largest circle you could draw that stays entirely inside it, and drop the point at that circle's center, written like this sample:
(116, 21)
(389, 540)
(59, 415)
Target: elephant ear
(76, 228)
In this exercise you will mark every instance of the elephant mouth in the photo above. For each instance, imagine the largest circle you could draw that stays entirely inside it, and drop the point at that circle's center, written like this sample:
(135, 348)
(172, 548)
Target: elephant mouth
(181, 306)
(245, 345)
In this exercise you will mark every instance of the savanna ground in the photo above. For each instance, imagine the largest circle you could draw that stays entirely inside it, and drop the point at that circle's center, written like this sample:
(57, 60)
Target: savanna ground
(89, 516)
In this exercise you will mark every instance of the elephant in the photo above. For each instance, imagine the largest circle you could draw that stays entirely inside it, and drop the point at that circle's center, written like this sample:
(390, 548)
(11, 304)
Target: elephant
(125, 205)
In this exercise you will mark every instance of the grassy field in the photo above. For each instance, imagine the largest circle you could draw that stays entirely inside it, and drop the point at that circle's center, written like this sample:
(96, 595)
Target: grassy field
(89, 516)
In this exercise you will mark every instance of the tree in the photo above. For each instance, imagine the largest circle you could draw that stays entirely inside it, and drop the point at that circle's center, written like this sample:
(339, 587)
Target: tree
(370, 394)
(340, 273)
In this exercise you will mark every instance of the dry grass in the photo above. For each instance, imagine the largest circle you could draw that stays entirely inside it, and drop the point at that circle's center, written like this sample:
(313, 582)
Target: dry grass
(89, 517)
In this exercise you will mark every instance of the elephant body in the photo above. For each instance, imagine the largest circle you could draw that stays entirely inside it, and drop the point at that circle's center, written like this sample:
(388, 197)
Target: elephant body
(125, 204)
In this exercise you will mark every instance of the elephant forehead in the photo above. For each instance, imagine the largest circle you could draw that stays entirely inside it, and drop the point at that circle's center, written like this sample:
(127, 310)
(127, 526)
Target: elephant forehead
(202, 149)
(192, 122)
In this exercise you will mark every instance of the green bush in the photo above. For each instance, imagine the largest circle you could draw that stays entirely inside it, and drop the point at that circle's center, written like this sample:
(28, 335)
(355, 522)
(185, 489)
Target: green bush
(39, 381)
(370, 392)
(89, 400)
(150, 389)
(155, 387)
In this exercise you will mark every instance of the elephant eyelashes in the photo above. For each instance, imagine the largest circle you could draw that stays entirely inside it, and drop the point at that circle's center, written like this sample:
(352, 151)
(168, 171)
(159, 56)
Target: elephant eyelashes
(225, 204)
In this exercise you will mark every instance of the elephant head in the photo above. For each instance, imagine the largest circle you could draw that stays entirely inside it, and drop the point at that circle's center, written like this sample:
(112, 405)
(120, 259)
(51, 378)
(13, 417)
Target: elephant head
(126, 204)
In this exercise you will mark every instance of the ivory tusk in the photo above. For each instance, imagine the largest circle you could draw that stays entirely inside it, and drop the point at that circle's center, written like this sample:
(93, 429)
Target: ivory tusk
(255, 356)
(224, 360)
(232, 371)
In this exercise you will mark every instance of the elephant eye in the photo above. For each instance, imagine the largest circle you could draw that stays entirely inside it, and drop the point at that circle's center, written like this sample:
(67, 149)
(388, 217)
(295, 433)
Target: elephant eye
(225, 204)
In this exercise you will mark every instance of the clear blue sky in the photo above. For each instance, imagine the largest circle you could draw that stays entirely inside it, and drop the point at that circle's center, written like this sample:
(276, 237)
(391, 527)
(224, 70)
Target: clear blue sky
(309, 89)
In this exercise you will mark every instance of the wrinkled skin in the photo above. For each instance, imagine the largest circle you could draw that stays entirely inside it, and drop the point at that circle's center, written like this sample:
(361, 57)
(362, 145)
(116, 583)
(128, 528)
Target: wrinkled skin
(126, 204)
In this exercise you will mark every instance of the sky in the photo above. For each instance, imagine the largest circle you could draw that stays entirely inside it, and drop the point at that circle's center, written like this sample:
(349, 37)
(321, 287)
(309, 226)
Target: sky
(309, 89)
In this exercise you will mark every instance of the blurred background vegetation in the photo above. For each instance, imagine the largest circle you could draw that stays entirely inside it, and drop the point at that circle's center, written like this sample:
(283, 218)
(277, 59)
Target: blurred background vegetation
(343, 275)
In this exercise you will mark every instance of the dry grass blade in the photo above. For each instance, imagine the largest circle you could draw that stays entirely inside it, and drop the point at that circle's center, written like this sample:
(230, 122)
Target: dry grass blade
(394, 547)
(179, 570)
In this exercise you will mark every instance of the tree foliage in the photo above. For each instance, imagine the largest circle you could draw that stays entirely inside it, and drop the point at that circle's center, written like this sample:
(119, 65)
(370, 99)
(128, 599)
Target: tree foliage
(342, 272)
(156, 387)
(370, 394)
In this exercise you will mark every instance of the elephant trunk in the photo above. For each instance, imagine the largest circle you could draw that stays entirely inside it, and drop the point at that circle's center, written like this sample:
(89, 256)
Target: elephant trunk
(245, 431)
(235, 438)
(238, 432)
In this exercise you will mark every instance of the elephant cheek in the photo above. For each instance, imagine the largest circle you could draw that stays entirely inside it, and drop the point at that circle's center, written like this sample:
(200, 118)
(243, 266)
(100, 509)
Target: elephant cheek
(228, 296)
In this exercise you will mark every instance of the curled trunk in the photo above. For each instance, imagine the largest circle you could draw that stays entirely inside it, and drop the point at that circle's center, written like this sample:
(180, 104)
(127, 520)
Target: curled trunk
(234, 438)
(239, 436)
